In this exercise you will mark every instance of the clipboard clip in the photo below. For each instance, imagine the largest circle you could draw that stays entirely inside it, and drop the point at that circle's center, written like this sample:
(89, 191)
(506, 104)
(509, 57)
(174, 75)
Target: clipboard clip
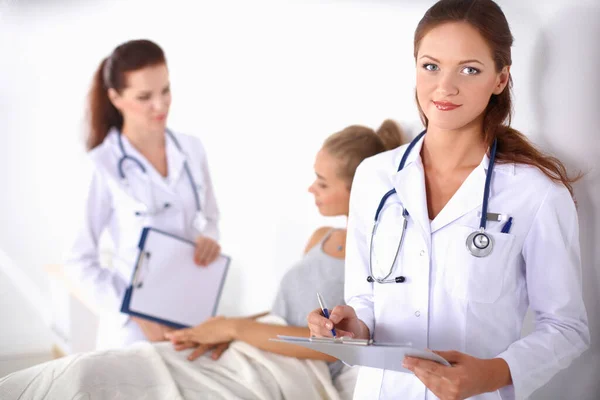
(136, 281)
(342, 340)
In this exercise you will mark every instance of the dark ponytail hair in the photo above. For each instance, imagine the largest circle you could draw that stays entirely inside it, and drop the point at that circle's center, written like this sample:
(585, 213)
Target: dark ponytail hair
(356, 142)
(111, 74)
(489, 20)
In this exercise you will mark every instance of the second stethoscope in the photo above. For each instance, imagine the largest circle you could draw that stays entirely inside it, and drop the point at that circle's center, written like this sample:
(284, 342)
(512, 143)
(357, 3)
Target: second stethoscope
(479, 243)
(199, 221)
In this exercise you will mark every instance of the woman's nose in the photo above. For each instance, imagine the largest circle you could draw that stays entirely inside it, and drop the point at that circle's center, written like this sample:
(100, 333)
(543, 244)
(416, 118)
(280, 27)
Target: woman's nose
(447, 85)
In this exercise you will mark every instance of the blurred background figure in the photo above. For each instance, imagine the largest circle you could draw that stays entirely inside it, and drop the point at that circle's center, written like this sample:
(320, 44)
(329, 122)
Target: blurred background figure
(143, 175)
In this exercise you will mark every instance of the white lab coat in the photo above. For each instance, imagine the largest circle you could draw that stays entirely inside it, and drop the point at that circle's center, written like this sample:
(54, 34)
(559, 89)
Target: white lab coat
(454, 301)
(112, 205)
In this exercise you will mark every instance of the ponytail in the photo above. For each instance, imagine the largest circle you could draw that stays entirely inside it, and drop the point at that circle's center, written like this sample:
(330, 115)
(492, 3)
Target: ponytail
(356, 142)
(102, 114)
(391, 135)
(514, 147)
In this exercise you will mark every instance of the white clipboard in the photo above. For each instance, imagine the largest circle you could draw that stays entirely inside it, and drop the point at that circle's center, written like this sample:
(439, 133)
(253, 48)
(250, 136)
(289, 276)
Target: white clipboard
(168, 287)
(366, 353)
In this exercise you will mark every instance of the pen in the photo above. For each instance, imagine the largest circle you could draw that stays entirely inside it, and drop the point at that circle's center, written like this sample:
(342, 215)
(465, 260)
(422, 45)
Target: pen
(325, 311)
(507, 226)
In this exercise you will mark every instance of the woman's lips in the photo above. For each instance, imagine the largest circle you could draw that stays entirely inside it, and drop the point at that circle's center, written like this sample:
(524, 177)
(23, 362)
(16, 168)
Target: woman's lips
(445, 105)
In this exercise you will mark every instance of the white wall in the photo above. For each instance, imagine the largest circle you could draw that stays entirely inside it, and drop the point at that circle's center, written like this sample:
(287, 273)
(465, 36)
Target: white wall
(249, 77)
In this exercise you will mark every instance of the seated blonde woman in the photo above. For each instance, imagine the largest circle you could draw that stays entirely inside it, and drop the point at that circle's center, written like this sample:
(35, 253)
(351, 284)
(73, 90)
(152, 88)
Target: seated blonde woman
(240, 361)
(322, 267)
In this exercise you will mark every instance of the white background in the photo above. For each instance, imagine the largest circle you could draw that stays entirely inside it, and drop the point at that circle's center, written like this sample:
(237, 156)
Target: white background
(263, 83)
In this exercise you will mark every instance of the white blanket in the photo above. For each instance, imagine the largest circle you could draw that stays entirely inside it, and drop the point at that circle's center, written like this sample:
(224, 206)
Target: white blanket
(156, 371)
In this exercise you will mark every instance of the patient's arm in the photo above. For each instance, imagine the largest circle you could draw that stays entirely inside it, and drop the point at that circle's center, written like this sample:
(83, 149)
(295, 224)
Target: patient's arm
(258, 334)
(220, 330)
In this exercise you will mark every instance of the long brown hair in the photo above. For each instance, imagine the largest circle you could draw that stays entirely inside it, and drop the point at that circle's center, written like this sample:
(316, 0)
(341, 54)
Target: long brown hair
(356, 142)
(487, 17)
(111, 74)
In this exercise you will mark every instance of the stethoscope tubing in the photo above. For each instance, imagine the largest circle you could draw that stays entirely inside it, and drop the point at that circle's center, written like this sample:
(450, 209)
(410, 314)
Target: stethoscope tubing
(186, 167)
(473, 248)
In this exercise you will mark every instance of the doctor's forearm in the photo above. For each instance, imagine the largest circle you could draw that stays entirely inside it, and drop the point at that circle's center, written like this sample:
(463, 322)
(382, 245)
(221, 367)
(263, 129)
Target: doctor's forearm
(258, 334)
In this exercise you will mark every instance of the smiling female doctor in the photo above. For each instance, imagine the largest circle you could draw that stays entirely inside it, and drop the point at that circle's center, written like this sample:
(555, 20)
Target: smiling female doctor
(474, 226)
(143, 175)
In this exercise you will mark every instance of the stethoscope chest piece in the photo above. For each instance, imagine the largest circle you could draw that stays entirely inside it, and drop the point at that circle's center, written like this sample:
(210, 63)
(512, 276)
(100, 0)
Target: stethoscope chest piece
(480, 244)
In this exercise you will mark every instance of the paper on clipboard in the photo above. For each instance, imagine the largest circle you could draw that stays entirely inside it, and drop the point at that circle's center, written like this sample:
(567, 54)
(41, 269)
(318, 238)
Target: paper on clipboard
(168, 287)
(364, 352)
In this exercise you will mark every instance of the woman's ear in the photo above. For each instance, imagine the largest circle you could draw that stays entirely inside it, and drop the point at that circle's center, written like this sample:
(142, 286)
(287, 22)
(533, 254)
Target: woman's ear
(502, 80)
(115, 98)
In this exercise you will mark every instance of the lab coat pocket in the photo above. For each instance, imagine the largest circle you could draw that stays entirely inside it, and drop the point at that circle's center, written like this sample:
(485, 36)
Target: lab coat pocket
(477, 279)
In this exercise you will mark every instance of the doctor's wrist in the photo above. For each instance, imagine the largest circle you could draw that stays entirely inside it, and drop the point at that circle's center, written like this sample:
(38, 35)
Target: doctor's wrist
(364, 332)
(499, 373)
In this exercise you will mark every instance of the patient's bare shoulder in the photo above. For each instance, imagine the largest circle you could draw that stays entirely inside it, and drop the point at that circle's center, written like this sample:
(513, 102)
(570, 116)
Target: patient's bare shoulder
(316, 237)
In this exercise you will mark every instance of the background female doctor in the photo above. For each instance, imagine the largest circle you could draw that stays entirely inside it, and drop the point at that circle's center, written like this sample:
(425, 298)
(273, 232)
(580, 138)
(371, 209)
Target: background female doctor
(446, 291)
(143, 175)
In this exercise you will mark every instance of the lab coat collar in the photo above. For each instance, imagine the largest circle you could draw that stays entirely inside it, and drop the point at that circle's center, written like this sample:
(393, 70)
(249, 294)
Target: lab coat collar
(506, 168)
(470, 194)
(410, 187)
(415, 154)
(175, 160)
(468, 197)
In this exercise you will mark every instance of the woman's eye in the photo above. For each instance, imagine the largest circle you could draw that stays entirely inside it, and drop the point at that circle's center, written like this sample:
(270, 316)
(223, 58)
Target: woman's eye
(144, 98)
(322, 186)
(430, 67)
(470, 71)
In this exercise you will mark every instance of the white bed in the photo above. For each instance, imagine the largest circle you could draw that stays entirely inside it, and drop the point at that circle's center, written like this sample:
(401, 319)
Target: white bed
(156, 371)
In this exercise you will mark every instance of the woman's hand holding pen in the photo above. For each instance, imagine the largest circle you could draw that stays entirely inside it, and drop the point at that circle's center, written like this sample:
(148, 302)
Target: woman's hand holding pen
(207, 251)
(468, 376)
(342, 318)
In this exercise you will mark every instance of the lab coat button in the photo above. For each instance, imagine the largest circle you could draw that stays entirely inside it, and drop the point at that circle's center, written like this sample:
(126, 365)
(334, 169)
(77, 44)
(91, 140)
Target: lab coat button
(422, 253)
(417, 313)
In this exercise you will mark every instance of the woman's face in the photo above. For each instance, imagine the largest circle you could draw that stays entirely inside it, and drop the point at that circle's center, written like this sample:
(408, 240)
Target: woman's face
(332, 195)
(456, 76)
(145, 101)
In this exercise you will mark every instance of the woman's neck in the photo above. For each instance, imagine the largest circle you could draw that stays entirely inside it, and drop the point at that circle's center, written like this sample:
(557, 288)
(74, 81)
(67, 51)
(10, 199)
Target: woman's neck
(143, 140)
(449, 150)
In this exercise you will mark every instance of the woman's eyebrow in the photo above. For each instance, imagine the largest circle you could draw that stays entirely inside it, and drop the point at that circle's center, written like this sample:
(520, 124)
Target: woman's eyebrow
(469, 61)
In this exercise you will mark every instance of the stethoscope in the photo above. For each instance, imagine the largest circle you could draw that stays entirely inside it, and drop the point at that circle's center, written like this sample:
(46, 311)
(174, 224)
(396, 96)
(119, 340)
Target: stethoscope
(199, 222)
(479, 243)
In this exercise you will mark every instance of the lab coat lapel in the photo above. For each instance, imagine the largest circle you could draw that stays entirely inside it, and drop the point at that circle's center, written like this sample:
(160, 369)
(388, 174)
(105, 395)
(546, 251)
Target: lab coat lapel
(468, 197)
(410, 187)
(175, 163)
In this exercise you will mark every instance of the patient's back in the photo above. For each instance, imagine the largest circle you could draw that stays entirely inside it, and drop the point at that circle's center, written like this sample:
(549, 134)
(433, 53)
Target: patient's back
(316, 272)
